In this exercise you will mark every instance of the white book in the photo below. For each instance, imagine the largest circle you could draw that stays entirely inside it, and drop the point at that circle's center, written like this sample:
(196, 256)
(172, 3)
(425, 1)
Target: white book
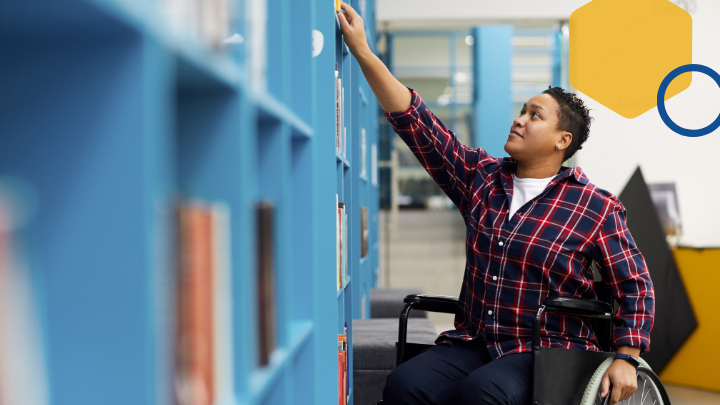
(342, 119)
(222, 302)
(257, 33)
(363, 154)
(373, 164)
(337, 110)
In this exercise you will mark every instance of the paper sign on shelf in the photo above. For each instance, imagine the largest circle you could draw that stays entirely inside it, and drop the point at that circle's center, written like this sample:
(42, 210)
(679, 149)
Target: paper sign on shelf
(318, 40)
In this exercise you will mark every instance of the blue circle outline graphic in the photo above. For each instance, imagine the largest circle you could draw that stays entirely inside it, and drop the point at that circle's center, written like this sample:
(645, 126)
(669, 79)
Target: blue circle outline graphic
(661, 100)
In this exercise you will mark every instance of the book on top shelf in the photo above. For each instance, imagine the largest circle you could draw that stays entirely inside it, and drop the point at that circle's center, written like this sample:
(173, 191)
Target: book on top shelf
(208, 20)
(266, 280)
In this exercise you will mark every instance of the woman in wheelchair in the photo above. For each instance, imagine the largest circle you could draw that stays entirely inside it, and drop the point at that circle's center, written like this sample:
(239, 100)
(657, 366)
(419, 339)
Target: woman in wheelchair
(534, 228)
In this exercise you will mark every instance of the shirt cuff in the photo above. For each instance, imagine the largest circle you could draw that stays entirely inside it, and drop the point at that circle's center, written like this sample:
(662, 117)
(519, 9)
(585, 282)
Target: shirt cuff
(632, 337)
(409, 116)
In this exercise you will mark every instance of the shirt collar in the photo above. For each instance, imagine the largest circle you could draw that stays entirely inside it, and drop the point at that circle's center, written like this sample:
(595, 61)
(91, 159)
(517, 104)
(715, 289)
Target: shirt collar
(509, 164)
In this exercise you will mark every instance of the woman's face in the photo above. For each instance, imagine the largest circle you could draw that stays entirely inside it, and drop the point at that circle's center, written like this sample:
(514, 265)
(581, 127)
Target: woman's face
(534, 135)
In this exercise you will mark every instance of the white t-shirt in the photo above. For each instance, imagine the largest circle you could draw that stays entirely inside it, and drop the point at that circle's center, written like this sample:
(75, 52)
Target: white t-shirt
(525, 190)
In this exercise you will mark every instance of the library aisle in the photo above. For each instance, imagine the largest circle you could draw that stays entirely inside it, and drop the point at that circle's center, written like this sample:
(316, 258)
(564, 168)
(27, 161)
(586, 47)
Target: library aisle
(182, 220)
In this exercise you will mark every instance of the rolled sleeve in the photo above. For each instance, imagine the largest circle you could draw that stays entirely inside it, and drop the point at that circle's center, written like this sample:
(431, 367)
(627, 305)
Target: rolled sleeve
(624, 268)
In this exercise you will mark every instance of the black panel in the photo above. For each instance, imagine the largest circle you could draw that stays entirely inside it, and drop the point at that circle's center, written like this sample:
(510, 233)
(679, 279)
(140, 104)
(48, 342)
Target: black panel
(560, 376)
(674, 317)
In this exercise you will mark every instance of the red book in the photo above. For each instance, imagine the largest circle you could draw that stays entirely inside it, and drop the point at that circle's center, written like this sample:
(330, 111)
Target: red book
(341, 395)
(195, 371)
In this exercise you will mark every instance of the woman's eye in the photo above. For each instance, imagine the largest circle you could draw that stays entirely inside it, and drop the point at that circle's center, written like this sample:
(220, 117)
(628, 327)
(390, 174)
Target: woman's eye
(536, 114)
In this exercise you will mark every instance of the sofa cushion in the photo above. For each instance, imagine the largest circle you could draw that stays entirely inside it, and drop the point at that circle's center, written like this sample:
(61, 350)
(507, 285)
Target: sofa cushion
(373, 340)
(388, 302)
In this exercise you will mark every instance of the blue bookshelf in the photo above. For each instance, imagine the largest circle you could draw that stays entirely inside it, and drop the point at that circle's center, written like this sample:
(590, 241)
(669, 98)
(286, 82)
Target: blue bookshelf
(109, 116)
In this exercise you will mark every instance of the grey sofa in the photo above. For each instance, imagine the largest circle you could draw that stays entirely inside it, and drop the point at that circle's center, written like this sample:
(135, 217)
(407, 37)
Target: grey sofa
(374, 342)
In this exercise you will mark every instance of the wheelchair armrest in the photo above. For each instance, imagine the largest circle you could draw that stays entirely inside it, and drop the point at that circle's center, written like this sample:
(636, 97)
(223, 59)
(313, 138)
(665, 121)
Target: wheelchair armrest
(422, 302)
(570, 306)
(579, 307)
(432, 303)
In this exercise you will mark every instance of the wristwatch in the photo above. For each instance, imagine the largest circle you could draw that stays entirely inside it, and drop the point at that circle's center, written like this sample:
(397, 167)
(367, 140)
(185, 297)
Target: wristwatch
(630, 359)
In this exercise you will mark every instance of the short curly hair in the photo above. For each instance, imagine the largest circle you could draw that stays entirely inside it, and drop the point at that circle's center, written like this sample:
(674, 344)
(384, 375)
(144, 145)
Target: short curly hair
(573, 116)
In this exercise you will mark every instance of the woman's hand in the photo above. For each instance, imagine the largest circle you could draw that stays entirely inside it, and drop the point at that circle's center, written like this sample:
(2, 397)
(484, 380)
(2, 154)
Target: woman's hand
(623, 377)
(353, 30)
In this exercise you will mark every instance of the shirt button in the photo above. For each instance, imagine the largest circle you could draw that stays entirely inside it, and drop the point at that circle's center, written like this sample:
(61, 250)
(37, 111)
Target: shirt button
(501, 243)
(494, 277)
(490, 312)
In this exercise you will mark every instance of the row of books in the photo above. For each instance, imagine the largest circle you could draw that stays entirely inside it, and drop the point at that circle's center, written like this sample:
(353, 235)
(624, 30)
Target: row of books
(342, 244)
(203, 341)
(340, 130)
(343, 382)
(207, 19)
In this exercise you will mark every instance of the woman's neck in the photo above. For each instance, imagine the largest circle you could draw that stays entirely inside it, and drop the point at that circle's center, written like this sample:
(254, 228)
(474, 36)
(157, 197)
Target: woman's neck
(537, 171)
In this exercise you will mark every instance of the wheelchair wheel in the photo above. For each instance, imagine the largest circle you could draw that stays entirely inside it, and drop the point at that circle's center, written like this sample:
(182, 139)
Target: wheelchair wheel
(649, 388)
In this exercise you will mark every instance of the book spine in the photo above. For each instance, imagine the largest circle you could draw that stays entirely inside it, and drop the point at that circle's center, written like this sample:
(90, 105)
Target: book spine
(337, 110)
(337, 244)
(266, 282)
(223, 332)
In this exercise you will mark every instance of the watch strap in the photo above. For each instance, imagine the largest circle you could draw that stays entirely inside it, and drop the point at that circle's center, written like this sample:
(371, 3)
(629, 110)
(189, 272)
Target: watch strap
(630, 359)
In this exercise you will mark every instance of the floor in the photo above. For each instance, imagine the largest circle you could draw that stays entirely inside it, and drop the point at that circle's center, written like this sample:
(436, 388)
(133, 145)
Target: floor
(426, 250)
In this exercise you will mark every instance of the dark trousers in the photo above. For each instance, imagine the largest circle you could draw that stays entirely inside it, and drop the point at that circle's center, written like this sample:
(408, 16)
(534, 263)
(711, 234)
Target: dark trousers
(460, 373)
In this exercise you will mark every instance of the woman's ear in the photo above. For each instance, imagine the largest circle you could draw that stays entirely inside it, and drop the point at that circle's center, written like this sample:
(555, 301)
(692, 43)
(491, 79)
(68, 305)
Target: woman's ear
(565, 140)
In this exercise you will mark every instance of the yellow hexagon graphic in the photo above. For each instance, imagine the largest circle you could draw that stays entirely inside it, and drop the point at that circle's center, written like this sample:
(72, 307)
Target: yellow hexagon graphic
(621, 50)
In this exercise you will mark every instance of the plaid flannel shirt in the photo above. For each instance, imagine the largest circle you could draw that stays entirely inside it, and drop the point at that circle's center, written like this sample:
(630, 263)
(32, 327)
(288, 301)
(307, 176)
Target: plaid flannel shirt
(545, 249)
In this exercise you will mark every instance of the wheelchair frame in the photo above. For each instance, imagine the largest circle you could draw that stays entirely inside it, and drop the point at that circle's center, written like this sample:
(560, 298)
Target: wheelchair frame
(549, 377)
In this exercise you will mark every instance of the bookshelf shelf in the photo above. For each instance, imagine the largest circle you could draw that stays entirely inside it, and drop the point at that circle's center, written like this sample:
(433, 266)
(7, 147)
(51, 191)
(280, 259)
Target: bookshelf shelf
(340, 158)
(143, 124)
(263, 379)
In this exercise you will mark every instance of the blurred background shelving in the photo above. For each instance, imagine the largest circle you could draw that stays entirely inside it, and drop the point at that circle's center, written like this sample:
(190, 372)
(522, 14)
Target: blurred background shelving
(114, 111)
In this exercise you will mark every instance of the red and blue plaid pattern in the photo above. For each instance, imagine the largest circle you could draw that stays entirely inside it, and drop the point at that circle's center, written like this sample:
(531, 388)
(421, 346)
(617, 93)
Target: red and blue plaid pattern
(545, 249)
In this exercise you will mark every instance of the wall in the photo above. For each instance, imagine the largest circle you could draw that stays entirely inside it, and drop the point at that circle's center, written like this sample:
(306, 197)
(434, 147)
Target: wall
(618, 145)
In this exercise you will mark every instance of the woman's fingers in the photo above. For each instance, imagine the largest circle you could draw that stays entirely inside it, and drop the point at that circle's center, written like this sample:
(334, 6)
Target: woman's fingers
(343, 21)
(349, 11)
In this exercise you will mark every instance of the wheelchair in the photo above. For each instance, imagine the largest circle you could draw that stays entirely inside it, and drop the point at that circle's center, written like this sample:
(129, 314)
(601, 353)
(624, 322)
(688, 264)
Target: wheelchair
(559, 376)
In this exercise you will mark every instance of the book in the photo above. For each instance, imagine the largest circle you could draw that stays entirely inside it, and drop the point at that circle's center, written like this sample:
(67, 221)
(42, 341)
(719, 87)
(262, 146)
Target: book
(341, 383)
(257, 28)
(342, 120)
(341, 125)
(195, 369)
(363, 154)
(363, 231)
(343, 368)
(343, 243)
(207, 20)
(338, 246)
(223, 321)
(346, 268)
(266, 280)
(337, 109)
(373, 165)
